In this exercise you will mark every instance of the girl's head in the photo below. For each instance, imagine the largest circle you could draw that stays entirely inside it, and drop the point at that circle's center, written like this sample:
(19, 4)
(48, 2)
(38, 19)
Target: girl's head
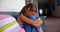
(28, 10)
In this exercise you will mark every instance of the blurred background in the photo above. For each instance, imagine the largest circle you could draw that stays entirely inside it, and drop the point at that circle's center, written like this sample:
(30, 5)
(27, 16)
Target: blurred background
(49, 8)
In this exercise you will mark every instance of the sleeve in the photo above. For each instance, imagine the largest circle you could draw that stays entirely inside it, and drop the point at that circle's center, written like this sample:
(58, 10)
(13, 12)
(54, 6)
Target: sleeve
(19, 20)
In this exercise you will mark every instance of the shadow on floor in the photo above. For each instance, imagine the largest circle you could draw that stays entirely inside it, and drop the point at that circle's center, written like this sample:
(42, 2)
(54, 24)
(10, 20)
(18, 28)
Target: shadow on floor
(52, 24)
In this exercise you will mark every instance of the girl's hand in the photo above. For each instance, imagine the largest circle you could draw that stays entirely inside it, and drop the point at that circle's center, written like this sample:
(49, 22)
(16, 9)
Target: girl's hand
(37, 22)
(40, 21)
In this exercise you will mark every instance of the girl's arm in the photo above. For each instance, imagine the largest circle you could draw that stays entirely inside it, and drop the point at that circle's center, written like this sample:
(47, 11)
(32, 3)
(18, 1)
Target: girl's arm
(25, 19)
(29, 21)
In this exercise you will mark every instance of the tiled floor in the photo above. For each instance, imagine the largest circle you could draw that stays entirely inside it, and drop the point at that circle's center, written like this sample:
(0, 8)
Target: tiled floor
(52, 24)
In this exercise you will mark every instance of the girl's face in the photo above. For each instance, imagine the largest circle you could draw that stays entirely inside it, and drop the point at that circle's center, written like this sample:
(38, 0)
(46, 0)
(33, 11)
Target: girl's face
(31, 12)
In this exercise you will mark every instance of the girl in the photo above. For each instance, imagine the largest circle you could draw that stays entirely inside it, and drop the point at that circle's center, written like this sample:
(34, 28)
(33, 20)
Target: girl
(28, 23)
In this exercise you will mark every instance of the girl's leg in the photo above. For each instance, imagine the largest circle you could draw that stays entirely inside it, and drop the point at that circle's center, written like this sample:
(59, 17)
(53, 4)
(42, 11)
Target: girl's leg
(27, 27)
(40, 30)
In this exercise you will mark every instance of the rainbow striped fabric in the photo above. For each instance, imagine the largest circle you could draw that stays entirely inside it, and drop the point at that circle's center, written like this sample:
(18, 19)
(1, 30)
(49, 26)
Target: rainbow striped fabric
(9, 24)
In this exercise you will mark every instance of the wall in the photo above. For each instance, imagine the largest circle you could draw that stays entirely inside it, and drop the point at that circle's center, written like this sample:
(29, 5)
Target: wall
(11, 5)
(57, 10)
